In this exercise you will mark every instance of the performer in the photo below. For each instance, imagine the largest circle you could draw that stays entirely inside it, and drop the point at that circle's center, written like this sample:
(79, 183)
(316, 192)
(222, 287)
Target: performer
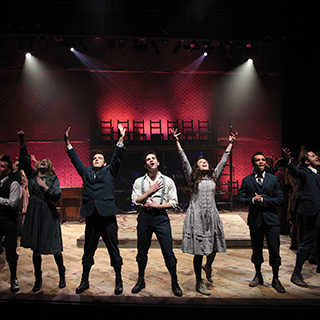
(261, 191)
(41, 230)
(155, 193)
(10, 196)
(203, 233)
(308, 207)
(99, 209)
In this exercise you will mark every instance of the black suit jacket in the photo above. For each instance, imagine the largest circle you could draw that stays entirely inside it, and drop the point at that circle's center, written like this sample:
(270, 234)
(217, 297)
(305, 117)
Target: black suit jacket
(98, 192)
(272, 197)
(310, 199)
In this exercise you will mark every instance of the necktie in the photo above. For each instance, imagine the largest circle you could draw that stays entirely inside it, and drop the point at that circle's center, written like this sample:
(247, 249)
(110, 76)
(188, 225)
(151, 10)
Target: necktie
(259, 179)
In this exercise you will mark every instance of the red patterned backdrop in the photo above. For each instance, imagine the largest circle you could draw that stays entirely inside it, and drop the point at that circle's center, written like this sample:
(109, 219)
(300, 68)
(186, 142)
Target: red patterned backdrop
(121, 84)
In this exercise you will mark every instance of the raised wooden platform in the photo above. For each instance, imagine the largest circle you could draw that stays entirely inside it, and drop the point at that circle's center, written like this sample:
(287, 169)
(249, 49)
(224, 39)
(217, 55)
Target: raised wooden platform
(235, 228)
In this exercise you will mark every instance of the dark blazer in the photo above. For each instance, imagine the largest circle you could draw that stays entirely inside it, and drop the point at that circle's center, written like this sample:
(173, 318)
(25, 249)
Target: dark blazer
(272, 197)
(98, 192)
(310, 199)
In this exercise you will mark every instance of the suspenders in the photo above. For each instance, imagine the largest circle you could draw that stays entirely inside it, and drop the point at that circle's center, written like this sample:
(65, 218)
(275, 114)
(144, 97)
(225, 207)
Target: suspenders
(163, 187)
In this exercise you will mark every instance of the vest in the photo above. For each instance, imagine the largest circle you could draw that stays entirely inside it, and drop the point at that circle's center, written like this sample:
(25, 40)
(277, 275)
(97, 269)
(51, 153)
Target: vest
(5, 193)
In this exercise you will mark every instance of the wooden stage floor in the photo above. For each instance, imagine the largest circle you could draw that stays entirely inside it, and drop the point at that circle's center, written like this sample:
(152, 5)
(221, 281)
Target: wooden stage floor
(230, 292)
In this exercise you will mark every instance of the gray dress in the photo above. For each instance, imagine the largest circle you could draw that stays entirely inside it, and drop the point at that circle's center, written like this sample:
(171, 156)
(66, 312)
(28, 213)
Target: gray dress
(202, 228)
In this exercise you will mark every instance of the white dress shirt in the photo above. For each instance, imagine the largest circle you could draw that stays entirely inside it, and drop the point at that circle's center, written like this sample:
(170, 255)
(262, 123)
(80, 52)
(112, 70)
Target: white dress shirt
(15, 194)
(170, 192)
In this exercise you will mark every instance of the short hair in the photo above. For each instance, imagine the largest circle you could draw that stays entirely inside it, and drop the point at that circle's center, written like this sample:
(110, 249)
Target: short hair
(303, 158)
(147, 153)
(99, 152)
(7, 159)
(257, 154)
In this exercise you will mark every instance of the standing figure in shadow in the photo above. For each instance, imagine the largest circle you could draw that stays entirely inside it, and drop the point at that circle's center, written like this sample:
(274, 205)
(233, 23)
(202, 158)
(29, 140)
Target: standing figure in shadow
(41, 230)
(203, 233)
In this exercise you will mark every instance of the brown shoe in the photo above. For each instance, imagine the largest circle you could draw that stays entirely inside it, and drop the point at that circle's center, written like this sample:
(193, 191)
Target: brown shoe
(297, 279)
(256, 280)
(276, 284)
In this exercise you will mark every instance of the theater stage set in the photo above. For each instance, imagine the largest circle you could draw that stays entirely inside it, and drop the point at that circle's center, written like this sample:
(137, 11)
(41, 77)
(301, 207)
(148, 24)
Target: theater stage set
(152, 66)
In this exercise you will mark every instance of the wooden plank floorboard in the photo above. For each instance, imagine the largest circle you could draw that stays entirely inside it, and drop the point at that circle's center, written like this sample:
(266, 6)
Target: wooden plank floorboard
(232, 272)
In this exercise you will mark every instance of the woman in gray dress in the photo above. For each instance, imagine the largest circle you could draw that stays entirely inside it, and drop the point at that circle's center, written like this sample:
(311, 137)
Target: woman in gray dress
(41, 230)
(202, 229)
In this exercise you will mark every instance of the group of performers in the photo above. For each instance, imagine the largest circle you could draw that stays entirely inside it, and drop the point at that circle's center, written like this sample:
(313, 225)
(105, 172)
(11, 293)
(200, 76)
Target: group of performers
(154, 193)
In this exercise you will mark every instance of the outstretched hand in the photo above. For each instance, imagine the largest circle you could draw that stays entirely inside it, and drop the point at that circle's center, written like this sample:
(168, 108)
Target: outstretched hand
(232, 137)
(286, 153)
(122, 130)
(66, 136)
(21, 135)
(175, 133)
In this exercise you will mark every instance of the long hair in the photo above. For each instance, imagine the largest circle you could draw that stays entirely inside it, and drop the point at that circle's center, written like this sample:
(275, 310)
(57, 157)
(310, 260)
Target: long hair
(51, 169)
(196, 175)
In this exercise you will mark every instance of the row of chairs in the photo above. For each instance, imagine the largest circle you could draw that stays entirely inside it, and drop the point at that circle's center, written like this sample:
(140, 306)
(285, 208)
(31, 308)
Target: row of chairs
(137, 131)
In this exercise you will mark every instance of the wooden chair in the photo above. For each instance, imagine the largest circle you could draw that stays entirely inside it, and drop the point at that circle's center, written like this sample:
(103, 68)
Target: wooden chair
(187, 130)
(204, 130)
(171, 125)
(106, 130)
(138, 130)
(155, 130)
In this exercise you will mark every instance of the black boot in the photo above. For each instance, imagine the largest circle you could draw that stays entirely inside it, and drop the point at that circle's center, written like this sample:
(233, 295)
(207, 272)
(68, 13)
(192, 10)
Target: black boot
(62, 270)
(62, 277)
(174, 281)
(38, 283)
(13, 272)
(36, 258)
(139, 285)
(84, 284)
(119, 286)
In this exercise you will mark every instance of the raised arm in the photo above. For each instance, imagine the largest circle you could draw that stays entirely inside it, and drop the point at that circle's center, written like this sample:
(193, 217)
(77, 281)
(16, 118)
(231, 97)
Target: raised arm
(122, 132)
(77, 163)
(232, 139)
(185, 162)
(24, 157)
(66, 137)
(176, 134)
(220, 166)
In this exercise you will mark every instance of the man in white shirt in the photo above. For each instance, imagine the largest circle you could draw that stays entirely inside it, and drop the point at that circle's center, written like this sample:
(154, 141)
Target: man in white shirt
(155, 193)
(10, 195)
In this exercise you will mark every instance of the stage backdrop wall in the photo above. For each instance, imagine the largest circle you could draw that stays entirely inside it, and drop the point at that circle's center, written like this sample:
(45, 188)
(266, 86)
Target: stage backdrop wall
(58, 90)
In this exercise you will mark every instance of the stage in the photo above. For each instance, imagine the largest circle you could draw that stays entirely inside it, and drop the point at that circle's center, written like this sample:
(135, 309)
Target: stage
(230, 292)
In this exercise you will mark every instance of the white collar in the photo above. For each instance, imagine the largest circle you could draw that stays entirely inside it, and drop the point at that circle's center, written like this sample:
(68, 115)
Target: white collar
(4, 180)
(314, 170)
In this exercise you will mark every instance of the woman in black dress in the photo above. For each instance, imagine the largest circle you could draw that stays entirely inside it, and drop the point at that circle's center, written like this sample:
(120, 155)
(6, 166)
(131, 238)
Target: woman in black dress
(41, 230)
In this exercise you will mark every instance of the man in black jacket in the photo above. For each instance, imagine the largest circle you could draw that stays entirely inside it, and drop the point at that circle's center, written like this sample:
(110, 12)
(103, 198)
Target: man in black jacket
(309, 208)
(98, 206)
(261, 191)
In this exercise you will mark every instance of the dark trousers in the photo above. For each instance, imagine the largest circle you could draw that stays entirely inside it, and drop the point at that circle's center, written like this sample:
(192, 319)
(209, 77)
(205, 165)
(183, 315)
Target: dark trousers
(272, 234)
(149, 222)
(107, 228)
(311, 237)
(9, 229)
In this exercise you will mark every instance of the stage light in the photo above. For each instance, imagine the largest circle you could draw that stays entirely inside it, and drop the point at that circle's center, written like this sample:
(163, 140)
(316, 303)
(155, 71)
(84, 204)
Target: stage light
(205, 54)
(25, 44)
(28, 55)
(250, 61)
(72, 49)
